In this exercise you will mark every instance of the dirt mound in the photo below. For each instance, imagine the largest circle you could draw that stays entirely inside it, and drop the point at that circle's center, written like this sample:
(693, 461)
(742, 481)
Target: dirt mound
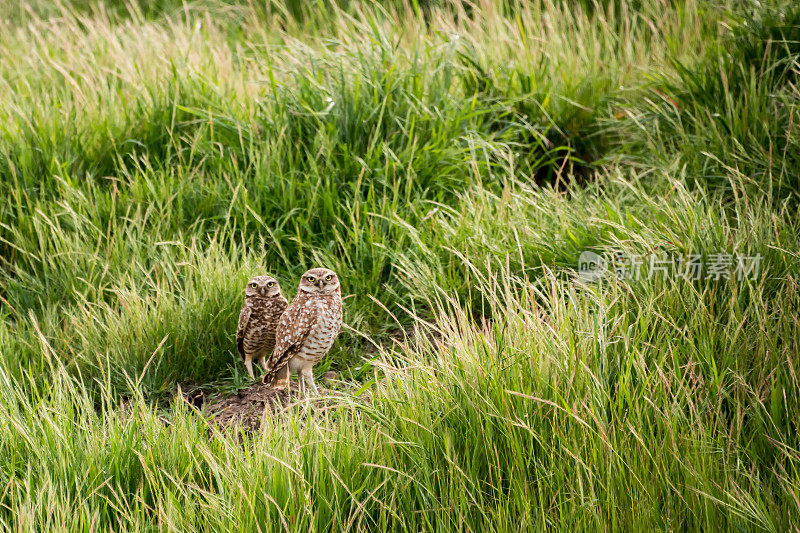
(247, 406)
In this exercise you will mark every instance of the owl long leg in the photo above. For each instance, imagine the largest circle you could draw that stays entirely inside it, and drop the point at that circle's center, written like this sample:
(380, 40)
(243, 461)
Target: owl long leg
(248, 364)
(263, 363)
(308, 379)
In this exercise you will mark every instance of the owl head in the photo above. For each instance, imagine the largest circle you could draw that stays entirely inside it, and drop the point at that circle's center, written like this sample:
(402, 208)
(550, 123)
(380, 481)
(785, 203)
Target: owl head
(319, 280)
(262, 287)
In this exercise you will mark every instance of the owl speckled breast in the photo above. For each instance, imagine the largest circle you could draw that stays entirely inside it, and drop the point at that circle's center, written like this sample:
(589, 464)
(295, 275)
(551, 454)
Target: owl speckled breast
(329, 322)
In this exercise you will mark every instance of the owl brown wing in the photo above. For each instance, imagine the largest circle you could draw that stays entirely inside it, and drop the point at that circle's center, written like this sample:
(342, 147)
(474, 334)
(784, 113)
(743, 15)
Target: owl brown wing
(244, 318)
(293, 327)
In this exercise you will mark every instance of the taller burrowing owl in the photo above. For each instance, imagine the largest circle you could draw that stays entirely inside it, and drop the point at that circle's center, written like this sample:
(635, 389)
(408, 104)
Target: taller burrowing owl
(263, 306)
(307, 328)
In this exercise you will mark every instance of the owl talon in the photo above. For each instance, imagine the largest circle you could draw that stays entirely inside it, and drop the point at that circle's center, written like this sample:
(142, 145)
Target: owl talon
(308, 381)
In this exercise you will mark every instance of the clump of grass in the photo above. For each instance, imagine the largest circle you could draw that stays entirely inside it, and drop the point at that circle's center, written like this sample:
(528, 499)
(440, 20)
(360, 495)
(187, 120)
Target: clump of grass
(736, 110)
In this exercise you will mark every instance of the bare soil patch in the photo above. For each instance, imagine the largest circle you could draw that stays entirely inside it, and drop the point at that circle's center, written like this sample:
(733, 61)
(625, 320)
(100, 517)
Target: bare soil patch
(246, 407)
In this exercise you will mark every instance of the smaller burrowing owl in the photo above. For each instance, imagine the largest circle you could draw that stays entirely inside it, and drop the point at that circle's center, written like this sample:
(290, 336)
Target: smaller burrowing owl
(307, 328)
(263, 306)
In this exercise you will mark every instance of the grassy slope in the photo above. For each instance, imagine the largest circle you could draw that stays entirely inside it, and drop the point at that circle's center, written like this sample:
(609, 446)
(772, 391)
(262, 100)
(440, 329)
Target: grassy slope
(151, 160)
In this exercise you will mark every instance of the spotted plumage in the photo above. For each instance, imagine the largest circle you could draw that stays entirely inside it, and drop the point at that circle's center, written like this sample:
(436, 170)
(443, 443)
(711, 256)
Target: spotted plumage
(263, 306)
(307, 328)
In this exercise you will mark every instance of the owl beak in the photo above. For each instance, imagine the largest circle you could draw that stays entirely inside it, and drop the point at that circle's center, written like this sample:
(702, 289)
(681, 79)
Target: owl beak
(318, 283)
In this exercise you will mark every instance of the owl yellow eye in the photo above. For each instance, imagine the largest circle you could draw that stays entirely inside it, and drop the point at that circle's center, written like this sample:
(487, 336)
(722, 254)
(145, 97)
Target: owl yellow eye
(270, 284)
(254, 285)
(311, 279)
(328, 277)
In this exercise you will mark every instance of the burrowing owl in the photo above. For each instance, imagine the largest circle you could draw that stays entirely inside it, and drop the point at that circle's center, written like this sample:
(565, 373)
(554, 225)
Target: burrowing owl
(255, 336)
(307, 328)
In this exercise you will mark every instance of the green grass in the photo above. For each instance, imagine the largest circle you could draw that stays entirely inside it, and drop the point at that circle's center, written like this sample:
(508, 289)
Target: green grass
(451, 162)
